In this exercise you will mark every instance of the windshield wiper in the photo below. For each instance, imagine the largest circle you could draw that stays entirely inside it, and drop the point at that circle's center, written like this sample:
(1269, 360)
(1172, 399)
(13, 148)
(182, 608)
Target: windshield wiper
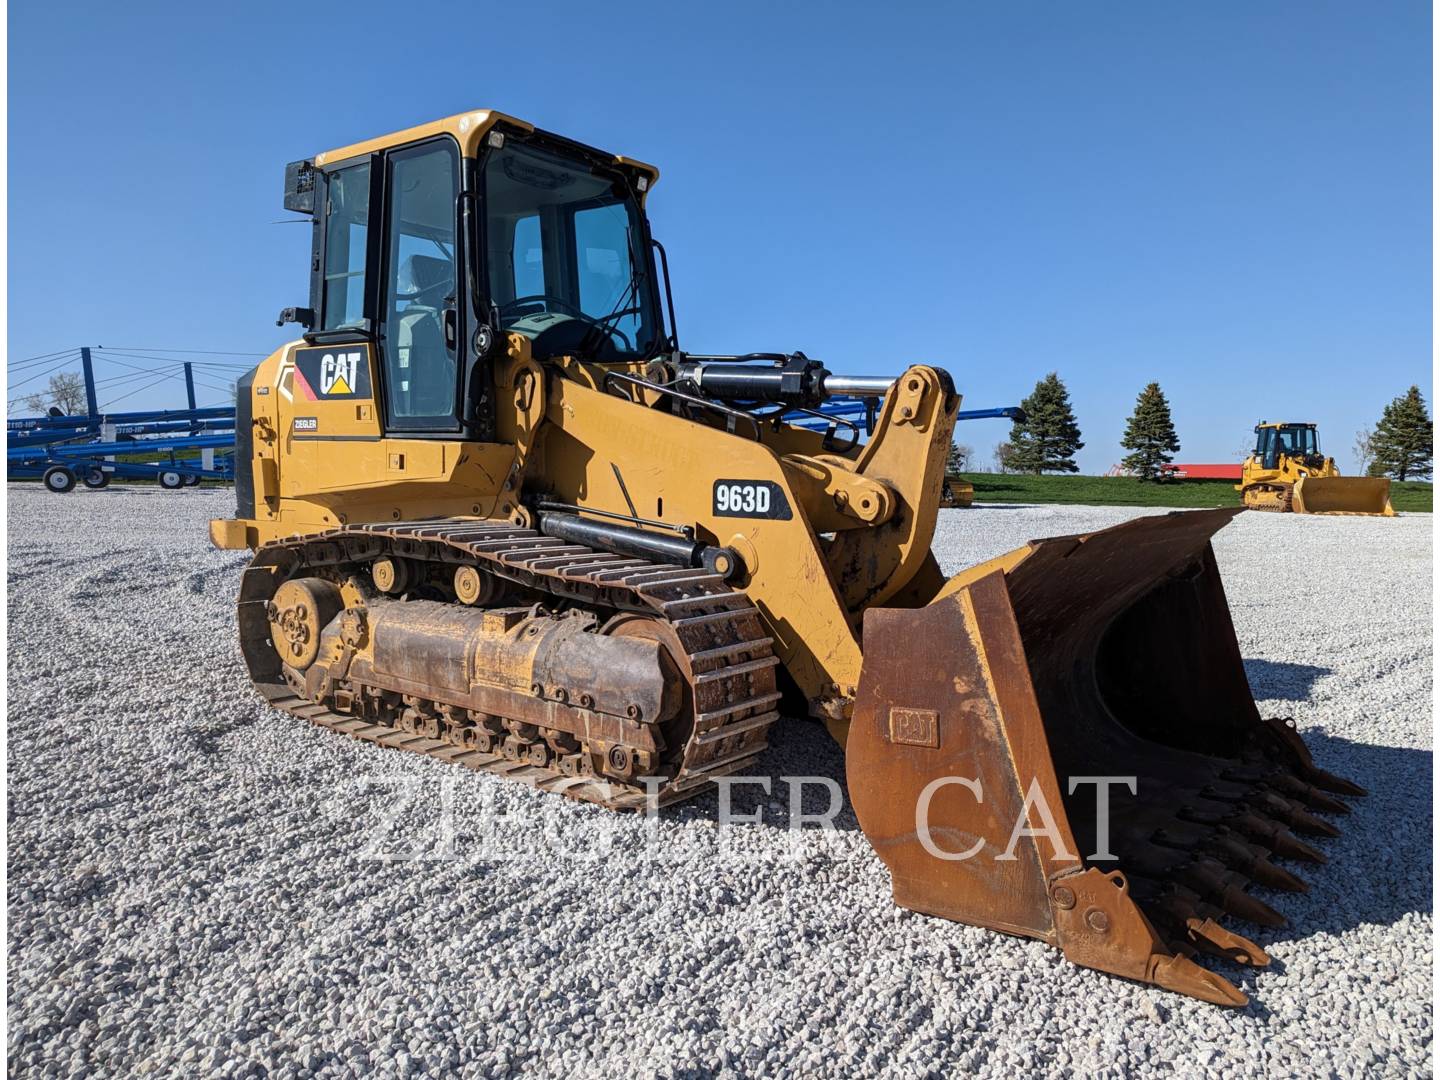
(599, 329)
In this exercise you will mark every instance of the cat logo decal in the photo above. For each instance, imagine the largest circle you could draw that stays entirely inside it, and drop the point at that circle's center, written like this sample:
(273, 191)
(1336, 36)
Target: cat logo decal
(330, 374)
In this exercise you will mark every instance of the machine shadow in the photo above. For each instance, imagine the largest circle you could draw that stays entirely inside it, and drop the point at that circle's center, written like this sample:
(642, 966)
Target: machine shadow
(1278, 681)
(799, 748)
(1378, 870)
(1380, 867)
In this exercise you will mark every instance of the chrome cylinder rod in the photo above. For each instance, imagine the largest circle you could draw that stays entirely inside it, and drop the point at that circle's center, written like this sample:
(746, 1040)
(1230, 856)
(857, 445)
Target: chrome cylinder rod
(858, 385)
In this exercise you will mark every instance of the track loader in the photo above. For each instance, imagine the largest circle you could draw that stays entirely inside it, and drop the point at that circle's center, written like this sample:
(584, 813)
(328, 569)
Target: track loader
(500, 518)
(1287, 473)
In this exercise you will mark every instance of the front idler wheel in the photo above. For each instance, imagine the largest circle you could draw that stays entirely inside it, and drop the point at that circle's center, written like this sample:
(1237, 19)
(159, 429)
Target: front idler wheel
(300, 611)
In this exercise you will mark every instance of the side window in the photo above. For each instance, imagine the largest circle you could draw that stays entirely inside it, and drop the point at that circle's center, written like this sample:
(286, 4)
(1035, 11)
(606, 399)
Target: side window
(1269, 448)
(347, 220)
(420, 289)
(528, 257)
(603, 270)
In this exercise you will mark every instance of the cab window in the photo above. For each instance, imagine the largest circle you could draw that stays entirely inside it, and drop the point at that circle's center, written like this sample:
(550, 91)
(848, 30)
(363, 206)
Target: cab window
(567, 262)
(1298, 441)
(347, 221)
(419, 298)
(529, 258)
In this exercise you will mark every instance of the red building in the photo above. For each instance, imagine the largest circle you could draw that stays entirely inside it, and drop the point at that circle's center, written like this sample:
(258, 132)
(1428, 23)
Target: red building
(1228, 471)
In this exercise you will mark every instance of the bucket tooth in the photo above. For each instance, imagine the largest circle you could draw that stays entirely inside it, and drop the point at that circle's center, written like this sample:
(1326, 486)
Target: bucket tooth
(1274, 877)
(1184, 976)
(1330, 782)
(1316, 799)
(1226, 888)
(1276, 837)
(1288, 749)
(1306, 822)
(1234, 851)
(1295, 815)
(1293, 787)
(1208, 936)
(1289, 846)
(1242, 905)
(1251, 861)
(1226, 847)
(1200, 931)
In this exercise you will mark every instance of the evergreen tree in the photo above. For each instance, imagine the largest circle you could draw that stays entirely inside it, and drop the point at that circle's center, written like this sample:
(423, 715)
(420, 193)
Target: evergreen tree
(1403, 439)
(1048, 438)
(958, 460)
(1149, 435)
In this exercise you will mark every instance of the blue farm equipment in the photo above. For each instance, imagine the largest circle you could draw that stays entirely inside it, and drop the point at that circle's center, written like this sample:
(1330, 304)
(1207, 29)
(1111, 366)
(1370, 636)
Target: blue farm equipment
(174, 447)
(66, 450)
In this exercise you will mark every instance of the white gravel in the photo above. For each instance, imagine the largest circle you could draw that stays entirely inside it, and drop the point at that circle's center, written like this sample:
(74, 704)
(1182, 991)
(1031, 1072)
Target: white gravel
(200, 885)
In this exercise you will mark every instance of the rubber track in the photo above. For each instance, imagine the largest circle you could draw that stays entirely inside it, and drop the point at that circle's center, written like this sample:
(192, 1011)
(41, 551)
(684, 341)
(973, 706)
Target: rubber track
(730, 659)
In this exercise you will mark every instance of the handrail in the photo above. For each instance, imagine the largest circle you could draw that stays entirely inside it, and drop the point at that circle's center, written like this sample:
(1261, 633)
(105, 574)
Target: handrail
(730, 414)
(833, 420)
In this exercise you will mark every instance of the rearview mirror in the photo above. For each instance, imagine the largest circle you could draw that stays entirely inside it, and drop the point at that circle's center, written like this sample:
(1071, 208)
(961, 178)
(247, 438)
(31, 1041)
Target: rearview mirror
(300, 186)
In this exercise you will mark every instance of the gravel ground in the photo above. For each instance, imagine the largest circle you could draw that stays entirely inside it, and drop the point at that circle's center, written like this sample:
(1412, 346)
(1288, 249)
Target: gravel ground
(198, 884)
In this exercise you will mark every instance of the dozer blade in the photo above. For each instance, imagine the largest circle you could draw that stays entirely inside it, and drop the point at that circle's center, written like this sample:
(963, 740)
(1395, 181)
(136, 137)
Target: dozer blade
(1342, 495)
(984, 719)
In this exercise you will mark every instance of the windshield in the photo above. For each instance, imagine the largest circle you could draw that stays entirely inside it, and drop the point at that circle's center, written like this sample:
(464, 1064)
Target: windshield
(567, 265)
(1298, 441)
(1292, 440)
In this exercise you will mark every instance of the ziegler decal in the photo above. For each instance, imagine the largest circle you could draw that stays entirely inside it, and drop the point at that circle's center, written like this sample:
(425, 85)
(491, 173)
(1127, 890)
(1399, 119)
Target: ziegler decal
(341, 373)
(305, 423)
(750, 499)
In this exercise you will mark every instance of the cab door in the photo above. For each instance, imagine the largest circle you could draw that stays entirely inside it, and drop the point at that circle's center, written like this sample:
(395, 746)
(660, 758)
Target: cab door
(419, 332)
(383, 367)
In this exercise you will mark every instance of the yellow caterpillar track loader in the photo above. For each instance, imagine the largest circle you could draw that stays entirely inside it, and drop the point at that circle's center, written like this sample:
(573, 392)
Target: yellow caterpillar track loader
(1288, 473)
(500, 518)
(956, 491)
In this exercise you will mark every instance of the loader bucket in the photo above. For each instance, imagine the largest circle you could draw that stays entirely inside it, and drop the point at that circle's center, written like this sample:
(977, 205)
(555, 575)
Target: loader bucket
(983, 719)
(1342, 495)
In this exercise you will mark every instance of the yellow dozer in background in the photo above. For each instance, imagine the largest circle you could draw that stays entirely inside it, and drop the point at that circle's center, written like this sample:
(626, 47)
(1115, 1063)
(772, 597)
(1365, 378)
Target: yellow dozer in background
(956, 491)
(500, 518)
(1287, 472)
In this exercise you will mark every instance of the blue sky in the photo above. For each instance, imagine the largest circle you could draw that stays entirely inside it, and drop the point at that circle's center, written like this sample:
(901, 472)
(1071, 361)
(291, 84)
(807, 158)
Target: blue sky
(1232, 198)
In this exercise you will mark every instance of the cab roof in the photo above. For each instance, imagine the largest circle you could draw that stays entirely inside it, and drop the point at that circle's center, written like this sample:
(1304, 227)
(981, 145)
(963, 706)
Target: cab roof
(468, 129)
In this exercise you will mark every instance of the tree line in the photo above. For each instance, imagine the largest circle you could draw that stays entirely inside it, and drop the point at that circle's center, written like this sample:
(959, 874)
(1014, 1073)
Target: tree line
(1399, 446)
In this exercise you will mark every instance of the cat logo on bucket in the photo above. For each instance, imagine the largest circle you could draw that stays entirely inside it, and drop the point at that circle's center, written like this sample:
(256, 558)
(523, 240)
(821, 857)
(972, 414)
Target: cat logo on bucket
(337, 372)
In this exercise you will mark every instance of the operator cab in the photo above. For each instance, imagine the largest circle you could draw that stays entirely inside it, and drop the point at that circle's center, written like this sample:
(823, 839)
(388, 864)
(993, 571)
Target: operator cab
(430, 244)
(1290, 440)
